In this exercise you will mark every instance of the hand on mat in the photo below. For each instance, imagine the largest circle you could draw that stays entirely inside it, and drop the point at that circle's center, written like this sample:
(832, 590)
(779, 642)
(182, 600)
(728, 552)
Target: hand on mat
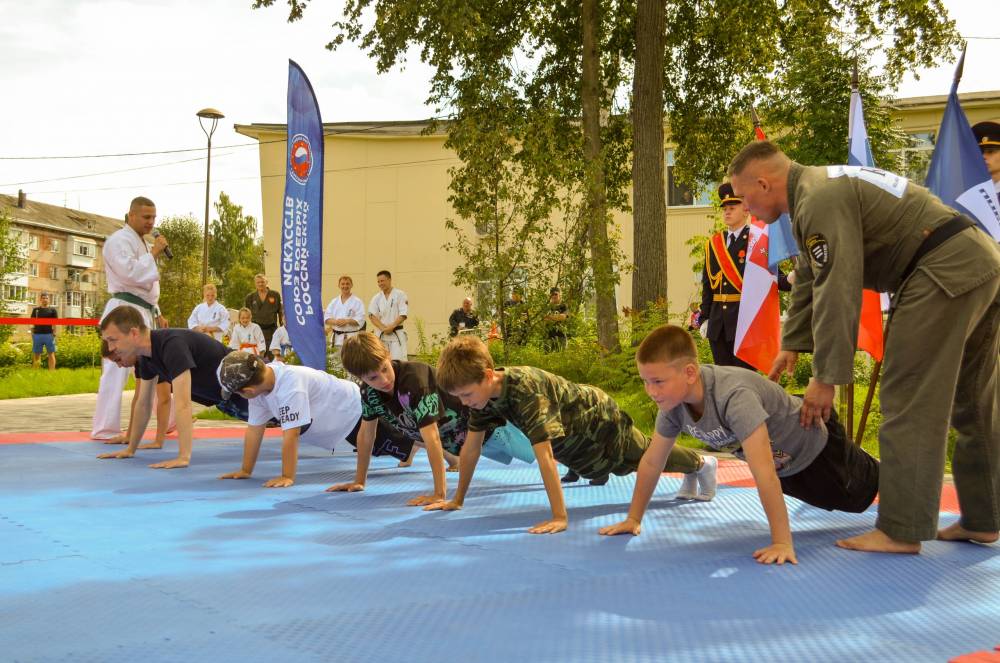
(816, 404)
(346, 488)
(424, 500)
(776, 553)
(238, 474)
(627, 526)
(124, 453)
(170, 464)
(549, 526)
(151, 445)
(279, 482)
(443, 505)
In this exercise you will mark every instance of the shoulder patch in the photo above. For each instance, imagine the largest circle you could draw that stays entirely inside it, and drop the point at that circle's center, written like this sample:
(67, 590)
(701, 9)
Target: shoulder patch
(819, 249)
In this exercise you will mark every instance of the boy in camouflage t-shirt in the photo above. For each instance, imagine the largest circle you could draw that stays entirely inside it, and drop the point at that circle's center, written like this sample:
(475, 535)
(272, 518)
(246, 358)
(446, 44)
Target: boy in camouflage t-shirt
(733, 409)
(577, 425)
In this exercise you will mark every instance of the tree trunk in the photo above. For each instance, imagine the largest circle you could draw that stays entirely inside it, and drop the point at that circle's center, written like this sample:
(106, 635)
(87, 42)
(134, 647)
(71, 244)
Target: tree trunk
(649, 212)
(595, 203)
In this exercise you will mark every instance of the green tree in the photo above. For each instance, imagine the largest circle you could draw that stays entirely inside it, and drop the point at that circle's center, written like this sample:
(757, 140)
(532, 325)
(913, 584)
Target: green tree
(790, 58)
(11, 262)
(180, 277)
(235, 252)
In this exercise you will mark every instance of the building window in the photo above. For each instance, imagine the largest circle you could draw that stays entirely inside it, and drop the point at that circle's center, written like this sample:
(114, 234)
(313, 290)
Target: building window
(85, 250)
(15, 293)
(33, 269)
(33, 242)
(915, 159)
(53, 272)
(679, 195)
(73, 275)
(54, 245)
(73, 298)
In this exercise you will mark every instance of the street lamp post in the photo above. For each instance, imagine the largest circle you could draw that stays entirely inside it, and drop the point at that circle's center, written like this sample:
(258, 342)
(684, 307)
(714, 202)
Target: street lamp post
(214, 116)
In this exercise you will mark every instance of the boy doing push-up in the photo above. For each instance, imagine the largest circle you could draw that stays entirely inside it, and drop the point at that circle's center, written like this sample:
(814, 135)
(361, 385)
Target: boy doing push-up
(733, 409)
(577, 425)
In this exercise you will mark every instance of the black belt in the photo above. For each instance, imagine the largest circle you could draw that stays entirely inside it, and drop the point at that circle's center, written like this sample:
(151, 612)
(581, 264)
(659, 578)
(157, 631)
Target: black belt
(936, 238)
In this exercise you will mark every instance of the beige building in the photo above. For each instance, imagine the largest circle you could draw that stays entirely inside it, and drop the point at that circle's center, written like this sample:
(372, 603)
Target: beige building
(386, 201)
(62, 251)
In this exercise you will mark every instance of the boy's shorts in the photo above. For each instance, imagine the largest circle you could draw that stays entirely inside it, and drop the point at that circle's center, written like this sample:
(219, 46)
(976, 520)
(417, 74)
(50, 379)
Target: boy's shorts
(842, 478)
(389, 441)
(39, 341)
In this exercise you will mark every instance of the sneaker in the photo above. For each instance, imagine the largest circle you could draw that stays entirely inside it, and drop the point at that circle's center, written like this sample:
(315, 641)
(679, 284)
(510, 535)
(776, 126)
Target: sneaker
(570, 477)
(689, 487)
(707, 482)
(700, 485)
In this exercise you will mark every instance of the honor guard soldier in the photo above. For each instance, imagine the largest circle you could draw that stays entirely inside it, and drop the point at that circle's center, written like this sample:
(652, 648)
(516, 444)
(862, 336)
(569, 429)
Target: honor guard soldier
(722, 279)
(988, 136)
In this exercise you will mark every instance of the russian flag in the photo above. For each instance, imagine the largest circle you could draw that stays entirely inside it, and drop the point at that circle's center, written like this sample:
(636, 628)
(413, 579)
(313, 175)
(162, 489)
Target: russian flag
(870, 337)
(758, 327)
(958, 174)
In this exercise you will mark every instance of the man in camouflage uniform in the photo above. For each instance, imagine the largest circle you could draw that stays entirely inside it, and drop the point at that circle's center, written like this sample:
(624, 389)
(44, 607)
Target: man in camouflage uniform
(862, 227)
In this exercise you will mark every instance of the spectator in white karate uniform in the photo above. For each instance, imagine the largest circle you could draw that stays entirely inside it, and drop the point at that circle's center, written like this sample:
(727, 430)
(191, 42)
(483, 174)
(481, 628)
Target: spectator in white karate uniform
(210, 317)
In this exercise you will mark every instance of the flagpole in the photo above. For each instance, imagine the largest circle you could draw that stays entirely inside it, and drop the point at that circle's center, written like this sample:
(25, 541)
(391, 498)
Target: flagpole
(872, 383)
(849, 419)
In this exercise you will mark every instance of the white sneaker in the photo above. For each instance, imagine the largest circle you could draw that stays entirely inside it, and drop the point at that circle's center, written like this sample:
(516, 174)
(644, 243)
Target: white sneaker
(706, 477)
(689, 487)
(700, 485)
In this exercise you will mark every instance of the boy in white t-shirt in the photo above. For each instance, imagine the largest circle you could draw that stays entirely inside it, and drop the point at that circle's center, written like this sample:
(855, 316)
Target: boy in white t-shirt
(733, 409)
(310, 405)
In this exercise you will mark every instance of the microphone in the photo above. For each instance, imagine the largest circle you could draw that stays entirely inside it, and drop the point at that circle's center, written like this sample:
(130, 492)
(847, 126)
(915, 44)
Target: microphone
(166, 249)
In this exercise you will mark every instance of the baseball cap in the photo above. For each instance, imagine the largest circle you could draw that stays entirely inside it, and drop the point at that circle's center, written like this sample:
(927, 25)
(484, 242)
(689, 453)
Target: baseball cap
(237, 368)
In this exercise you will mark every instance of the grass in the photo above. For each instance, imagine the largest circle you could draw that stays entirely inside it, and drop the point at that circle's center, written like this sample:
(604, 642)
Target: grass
(214, 414)
(29, 382)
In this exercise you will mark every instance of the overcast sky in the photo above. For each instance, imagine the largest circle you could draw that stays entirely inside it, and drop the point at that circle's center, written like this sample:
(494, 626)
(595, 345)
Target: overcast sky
(126, 76)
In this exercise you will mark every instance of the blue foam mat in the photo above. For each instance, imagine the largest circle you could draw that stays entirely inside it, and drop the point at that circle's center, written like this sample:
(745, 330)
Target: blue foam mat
(112, 561)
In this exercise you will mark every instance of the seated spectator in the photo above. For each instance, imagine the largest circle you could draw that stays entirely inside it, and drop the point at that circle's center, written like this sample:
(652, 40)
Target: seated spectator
(281, 344)
(247, 335)
(209, 317)
(463, 319)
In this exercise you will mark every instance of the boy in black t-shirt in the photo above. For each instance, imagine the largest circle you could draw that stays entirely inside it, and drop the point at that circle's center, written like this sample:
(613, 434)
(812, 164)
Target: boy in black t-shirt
(403, 394)
(188, 360)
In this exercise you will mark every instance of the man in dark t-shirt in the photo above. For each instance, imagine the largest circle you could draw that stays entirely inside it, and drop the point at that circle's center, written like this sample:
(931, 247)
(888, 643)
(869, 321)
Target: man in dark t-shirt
(187, 359)
(41, 335)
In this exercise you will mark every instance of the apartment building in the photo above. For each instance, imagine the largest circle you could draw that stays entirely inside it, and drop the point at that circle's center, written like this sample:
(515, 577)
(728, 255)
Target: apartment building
(61, 248)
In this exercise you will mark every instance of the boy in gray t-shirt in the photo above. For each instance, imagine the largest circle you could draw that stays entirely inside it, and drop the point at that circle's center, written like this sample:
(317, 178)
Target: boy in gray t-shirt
(737, 410)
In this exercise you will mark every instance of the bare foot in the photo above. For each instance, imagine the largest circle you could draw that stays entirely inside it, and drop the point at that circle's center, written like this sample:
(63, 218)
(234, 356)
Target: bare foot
(878, 541)
(451, 468)
(151, 445)
(956, 532)
(117, 439)
(405, 463)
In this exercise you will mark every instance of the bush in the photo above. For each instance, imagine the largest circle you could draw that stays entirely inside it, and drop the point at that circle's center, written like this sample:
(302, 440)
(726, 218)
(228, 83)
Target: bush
(78, 350)
(14, 354)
